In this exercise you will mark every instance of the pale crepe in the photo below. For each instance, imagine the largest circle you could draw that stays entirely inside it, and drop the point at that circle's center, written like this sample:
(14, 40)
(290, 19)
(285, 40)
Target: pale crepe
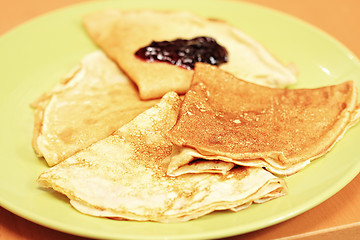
(121, 33)
(228, 119)
(124, 176)
(87, 105)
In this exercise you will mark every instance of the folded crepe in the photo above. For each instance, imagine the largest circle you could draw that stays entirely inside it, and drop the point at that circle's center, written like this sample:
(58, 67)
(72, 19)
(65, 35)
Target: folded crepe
(93, 101)
(228, 119)
(124, 176)
(121, 33)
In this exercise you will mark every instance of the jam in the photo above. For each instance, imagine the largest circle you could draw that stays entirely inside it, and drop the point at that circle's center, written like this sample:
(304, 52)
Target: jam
(185, 53)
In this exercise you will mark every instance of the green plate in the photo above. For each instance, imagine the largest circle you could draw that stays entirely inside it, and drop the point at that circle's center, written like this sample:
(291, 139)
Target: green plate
(34, 56)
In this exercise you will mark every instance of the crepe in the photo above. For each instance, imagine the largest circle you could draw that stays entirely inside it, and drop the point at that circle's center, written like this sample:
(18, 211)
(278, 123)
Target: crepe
(93, 101)
(225, 118)
(121, 33)
(124, 176)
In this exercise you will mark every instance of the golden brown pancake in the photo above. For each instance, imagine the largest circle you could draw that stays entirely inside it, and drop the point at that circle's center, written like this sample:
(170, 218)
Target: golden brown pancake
(121, 33)
(89, 104)
(124, 176)
(225, 118)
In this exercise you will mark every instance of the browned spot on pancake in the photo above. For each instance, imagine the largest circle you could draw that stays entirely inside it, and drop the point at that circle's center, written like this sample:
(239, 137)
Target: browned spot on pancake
(66, 135)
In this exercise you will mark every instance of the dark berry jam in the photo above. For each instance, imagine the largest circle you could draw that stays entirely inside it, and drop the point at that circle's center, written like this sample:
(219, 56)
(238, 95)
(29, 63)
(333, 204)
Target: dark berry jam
(185, 53)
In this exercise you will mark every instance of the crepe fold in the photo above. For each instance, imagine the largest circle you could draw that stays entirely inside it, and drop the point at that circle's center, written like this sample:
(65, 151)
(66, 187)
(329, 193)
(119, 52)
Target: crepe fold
(225, 121)
(121, 33)
(124, 176)
(90, 103)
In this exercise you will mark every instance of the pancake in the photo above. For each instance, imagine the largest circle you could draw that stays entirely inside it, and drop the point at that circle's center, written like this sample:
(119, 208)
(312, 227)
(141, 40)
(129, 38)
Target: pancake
(225, 118)
(124, 176)
(90, 103)
(121, 33)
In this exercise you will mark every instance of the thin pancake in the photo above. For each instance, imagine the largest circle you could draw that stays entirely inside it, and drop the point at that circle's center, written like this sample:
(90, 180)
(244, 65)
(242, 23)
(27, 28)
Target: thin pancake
(225, 118)
(89, 104)
(121, 33)
(124, 176)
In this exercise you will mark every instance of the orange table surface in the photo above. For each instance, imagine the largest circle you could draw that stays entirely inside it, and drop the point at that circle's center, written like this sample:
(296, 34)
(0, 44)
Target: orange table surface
(340, 19)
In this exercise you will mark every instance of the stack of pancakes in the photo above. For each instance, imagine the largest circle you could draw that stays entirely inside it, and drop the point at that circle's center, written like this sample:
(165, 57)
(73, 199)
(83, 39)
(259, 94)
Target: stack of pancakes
(130, 139)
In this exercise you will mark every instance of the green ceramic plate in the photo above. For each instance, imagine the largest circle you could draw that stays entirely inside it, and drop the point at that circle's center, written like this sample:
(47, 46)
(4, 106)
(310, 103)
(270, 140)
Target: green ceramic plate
(34, 56)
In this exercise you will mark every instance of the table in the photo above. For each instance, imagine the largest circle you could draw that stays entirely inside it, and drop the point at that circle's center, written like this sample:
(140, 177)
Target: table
(338, 216)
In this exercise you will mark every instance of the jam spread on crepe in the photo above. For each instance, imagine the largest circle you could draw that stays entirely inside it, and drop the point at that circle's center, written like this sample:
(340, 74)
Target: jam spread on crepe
(185, 53)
